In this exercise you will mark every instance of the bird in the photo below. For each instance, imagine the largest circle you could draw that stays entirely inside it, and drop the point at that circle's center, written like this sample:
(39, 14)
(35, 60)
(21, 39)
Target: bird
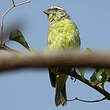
(62, 34)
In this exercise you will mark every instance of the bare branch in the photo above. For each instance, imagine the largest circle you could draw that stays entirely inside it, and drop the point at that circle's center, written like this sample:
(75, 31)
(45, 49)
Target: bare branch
(6, 48)
(92, 101)
(13, 3)
(42, 59)
(8, 10)
(28, 1)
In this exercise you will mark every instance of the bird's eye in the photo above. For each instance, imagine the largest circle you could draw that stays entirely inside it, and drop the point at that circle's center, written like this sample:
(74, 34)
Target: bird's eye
(56, 9)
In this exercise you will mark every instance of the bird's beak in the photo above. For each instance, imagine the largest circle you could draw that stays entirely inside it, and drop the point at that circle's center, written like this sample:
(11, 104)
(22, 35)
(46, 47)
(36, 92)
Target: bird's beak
(46, 12)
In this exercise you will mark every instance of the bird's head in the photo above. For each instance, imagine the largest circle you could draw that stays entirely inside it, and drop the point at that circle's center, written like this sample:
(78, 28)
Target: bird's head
(56, 13)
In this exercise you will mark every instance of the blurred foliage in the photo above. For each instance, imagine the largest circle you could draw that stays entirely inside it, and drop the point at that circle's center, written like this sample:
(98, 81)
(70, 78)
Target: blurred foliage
(17, 36)
(101, 75)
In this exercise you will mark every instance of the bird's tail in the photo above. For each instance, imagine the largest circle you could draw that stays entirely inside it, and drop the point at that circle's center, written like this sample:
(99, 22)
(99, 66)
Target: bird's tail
(60, 96)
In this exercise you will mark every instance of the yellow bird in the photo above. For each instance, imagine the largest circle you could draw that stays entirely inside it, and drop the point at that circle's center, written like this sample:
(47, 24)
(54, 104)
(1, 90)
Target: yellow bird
(62, 34)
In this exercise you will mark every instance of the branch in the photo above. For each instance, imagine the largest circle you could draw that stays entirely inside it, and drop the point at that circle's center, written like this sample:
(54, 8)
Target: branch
(6, 48)
(9, 9)
(92, 101)
(87, 82)
(13, 3)
(44, 59)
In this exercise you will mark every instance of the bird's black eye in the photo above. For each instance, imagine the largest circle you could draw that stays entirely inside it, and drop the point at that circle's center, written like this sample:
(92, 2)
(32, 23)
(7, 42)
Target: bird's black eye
(55, 9)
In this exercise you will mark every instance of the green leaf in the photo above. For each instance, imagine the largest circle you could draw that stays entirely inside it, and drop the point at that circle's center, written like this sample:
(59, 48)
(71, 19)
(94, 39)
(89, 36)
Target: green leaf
(101, 75)
(93, 77)
(17, 36)
(97, 76)
(107, 73)
(101, 85)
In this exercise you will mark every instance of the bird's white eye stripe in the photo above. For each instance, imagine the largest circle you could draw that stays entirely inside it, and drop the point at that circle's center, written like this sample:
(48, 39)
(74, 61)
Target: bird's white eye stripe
(57, 7)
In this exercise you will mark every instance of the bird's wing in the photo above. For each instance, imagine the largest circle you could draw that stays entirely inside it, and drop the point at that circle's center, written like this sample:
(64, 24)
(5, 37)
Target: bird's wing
(73, 35)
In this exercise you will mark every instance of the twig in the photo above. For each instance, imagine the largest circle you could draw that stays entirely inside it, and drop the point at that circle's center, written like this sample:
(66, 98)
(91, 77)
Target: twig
(4, 47)
(13, 3)
(92, 101)
(97, 83)
(89, 83)
(9, 9)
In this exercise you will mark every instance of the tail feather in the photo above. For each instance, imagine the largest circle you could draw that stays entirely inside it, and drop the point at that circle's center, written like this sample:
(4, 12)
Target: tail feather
(60, 97)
